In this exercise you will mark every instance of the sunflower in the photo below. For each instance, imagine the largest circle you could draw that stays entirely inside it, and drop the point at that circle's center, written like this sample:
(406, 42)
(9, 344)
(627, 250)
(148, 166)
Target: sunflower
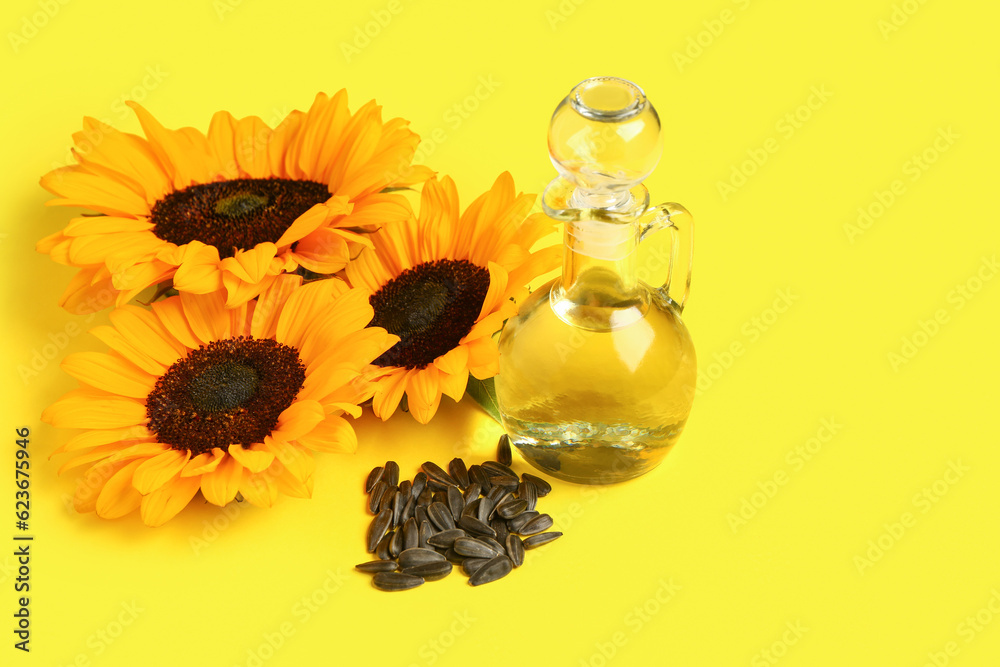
(229, 210)
(196, 396)
(445, 283)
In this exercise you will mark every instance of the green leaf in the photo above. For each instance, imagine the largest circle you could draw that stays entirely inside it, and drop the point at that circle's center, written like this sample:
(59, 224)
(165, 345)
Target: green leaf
(485, 394)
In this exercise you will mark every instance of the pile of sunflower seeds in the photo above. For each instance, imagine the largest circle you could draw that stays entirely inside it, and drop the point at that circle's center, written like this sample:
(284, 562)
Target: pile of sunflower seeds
(473, 517)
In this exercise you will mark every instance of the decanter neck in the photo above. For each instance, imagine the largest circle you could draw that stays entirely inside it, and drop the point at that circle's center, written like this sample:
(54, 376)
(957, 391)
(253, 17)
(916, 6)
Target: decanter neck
(599, 254)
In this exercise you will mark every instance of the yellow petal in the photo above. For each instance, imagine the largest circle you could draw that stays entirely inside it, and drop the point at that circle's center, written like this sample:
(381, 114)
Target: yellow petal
(119, 497)
(204, 463)
(93, 411)
(159, 470)
(254, 459)
(259, 489)
(335, 434)
(220, 485)
(163, 504)
(298, 419)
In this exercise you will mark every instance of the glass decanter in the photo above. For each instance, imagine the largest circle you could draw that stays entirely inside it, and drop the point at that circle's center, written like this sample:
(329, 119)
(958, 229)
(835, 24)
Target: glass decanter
(597, 370)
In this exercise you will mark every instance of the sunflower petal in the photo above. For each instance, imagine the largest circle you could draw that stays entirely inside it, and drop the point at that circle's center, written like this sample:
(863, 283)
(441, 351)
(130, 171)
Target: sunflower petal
(335, 434)
(159, 470)
(254, 459)
(163, 504)
(219, 486)
(118, 497)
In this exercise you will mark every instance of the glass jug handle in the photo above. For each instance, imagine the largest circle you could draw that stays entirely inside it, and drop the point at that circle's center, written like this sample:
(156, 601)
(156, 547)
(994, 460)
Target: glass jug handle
(676, 218)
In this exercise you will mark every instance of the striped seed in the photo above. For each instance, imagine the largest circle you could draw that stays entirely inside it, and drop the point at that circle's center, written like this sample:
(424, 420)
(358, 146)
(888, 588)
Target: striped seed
(430, 571)
(411, 505)
(508, 482)
(495, 568)
(471, 508)
(497, 468)
(453, 556)
(419, 483)
(473, 548)
(528, 493)
(375, 498)
(500, 526)
(493, 544)
(387, 498)
(377, 528)
(406, 488)
(457, 469)
(373, 478)
(470, 565)
(440, 516)
(504, 455)
(456, 502)
(480, 477)
(382, 548)
(515, 549)
(536, 525)
(396, 543)
(474, 526)
(420, 514)
(411, 534)
(410, 557)
(471, 493)
(374, 566)
(540, 484)
(426, 530)
(485, 509)
(436, 476)
(395, 581)
(426, 497)
(517, 523)
(391, 473)
(512, 508)
(446, 538)
(540, 539)
(397, 508)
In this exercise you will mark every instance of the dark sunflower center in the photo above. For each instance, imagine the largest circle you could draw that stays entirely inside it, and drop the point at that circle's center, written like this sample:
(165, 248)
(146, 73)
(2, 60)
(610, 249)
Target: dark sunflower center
(226, 392)
(234, 215)
(431, 307)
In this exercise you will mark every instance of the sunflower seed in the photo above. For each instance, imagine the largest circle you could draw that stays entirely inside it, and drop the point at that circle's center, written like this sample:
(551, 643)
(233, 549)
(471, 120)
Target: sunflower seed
(497, 468)
(471, 508)
(378, 566)
(395, 581)
(391, 474)
(382, 548)
(377, 528)
(541, 486)
(496, 568)
(440, 516)
(512, 508)
(471, 565)
(437, 476)
(484, 510)
(424, 534)
(373, 478)
(480, 477)
(528, 493)
(504, 455)
(410, 557)
(430, 571)
(453, 556)
(456, 502)
(500, 526)
(411, 534)
(376, 496)
(474, 526)
(495, 494)
(411, 505)
(387, 498)
(471, 493)
(517, 523)
(473, 548)
(397, 508)
(457, 469)
(420, 514)
(515, 550)
(540, 539)
(445, 538)
(508, 482)
(396, 543)
(419, 482)
(426, 497)
(536, 525)
(406, 488)
(493, 544)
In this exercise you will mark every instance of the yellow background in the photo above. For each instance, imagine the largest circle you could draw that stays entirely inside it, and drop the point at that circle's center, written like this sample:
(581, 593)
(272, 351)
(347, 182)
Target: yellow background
(650, 572)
